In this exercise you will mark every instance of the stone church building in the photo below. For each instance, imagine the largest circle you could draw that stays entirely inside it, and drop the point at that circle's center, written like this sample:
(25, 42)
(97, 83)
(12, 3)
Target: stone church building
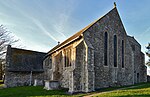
(100, 55)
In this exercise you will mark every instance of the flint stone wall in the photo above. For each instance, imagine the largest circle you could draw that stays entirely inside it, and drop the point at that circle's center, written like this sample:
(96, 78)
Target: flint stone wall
(88, 72)
(13, 79)
(20, 63)
(108, 76)
(139, 61)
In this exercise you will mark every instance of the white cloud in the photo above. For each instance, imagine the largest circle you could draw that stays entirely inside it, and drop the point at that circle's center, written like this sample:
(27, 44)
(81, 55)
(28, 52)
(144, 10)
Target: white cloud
(59, 20)
(43, 29)
(144, 33)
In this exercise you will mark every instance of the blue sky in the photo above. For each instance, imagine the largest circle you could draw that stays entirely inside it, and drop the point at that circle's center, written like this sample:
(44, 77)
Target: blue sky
(39, 24)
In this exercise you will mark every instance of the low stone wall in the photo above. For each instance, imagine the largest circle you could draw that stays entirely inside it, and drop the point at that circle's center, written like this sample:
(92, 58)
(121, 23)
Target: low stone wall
(13, 79)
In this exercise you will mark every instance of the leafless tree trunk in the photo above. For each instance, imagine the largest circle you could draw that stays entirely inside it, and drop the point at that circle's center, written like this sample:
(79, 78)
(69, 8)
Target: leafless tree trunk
(148, 54)
(6, 38)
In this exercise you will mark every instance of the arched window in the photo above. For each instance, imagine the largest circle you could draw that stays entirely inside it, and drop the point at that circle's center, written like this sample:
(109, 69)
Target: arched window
(122, 54)
(106, 49)
(115, 51)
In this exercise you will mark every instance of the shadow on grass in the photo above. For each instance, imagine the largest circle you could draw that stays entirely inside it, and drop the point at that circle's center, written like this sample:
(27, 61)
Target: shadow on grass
(38, 91)
(145, 95)
(124, 89)
(31, 91)
(139, 86)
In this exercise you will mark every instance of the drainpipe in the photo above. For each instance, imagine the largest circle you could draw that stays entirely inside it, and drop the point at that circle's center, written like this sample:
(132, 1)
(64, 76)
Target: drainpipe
(30, 79)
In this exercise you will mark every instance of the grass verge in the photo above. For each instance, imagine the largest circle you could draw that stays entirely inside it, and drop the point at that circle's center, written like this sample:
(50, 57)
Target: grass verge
(32, 91)
(139, 90)
(142, 90)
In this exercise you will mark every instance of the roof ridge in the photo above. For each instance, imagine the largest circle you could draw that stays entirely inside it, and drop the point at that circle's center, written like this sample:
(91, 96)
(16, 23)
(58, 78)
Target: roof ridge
(77, 34)
(27, 50)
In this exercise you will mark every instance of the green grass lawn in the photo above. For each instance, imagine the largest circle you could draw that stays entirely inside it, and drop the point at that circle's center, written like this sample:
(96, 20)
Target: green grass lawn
(31, 91)
(142, 90)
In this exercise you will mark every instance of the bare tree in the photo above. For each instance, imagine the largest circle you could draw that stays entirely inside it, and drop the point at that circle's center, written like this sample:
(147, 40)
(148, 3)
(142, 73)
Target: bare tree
(6, 38)
(148, 54)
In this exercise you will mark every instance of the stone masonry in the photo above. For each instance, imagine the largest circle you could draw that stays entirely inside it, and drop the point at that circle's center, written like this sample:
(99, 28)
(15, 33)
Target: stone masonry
(98, 56)
(88, 71)
(23, 67)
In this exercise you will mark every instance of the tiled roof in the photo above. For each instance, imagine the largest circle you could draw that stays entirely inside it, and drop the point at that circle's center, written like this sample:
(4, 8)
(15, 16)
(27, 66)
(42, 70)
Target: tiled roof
(76, 35)
(24, 60)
